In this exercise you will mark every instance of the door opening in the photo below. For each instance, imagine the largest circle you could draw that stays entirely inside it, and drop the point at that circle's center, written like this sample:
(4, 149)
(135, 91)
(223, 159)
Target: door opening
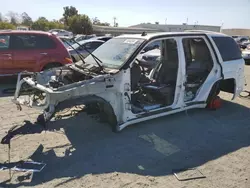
(155, 90)
(199, 64)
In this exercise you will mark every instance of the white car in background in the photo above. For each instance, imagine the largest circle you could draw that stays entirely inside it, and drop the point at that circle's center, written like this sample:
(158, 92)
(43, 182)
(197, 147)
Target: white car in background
(246, 55)
(22, 28)
(61, 32)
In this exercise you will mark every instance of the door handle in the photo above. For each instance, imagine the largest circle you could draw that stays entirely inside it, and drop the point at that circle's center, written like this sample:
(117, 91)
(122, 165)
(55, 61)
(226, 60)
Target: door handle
(43, 53)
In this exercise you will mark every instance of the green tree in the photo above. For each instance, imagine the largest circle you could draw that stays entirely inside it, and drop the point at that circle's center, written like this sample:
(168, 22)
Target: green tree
(80, 24)
(6, 25)
(69, 12)
(55, 24)
(41, 24)
(1, 17)
(26, 19)
(96, 21)
(13, 17)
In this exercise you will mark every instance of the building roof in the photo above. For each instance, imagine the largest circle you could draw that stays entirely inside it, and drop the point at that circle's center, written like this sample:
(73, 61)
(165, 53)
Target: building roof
(143, 25)
(97, 27)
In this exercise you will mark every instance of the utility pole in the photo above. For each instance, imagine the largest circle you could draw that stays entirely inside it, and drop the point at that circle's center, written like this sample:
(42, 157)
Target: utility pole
(166, 21)
(221, 27)
(187, 21)
(114, 21)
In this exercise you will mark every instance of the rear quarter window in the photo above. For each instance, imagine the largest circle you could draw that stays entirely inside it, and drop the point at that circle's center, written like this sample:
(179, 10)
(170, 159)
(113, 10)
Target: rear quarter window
(228, 48)
(45, 42)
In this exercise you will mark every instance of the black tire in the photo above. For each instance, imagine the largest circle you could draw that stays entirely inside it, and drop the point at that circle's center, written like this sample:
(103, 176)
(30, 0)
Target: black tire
(51, 65)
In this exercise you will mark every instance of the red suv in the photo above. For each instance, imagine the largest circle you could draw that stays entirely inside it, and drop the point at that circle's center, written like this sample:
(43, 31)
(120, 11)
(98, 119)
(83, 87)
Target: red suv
(30, 50)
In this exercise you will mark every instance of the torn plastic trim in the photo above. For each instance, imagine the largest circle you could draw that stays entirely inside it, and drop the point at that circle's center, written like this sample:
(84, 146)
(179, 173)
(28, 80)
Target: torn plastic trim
(18, 101)
(62, 93)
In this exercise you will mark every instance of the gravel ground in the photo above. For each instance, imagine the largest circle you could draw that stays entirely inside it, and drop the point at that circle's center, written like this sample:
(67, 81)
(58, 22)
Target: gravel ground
(79, 152)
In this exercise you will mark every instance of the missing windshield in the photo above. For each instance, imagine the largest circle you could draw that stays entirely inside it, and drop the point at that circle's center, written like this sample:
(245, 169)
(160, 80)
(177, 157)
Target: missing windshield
(115, 52)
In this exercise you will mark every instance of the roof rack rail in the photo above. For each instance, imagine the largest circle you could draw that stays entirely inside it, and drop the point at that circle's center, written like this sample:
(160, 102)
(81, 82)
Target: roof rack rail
(205, 31)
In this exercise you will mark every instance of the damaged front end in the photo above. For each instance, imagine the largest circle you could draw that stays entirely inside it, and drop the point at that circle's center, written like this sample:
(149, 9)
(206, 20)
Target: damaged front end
(49, 88)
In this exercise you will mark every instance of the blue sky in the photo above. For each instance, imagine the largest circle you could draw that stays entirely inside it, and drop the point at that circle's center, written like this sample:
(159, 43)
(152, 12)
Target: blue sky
(233, 13)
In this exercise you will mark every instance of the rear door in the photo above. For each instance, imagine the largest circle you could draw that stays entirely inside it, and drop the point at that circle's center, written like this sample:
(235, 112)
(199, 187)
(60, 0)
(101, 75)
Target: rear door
(27, 54)
(5, 55)
(201, 68)
(232, 62)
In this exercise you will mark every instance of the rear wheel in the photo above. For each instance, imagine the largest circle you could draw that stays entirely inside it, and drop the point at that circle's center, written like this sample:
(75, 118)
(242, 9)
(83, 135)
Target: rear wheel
(213, 98)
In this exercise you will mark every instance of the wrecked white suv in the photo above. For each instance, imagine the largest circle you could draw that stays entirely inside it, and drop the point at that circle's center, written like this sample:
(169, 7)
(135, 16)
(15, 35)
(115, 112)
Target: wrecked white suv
(192, 69)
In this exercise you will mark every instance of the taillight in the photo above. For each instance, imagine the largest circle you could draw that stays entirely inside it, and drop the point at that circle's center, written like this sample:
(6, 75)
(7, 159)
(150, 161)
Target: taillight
(68, 60)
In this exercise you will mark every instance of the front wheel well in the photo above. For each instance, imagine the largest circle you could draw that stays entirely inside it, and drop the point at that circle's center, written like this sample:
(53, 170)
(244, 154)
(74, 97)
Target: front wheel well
(94, 105)
(104, 110)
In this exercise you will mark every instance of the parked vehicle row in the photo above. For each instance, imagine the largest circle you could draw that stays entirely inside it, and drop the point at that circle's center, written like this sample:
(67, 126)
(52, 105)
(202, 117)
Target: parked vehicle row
(37, 51)
(79, 38)
(244, 45)
(83, 49)
(61, 32)
(31, 51)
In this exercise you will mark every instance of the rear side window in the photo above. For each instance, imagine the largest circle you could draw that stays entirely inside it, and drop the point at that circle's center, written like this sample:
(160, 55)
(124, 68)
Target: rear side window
(228, 48)
(4, 42)
(44, 42)
(29, 42)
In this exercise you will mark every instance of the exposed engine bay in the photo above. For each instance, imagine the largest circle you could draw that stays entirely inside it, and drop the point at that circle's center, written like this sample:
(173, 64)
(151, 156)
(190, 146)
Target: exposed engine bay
(47, 89)
(62, 76)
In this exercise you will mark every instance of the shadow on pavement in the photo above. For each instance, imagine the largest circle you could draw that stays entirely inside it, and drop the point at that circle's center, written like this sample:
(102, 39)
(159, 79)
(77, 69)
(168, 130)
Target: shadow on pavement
(152, 148)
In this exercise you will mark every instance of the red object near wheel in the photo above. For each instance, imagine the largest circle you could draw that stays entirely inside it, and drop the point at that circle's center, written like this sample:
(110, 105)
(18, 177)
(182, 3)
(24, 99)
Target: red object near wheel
(215, 103)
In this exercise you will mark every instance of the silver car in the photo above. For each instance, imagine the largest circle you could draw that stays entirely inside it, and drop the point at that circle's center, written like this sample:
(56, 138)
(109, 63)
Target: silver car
(246, 56)
(61, 32)
(83, 48)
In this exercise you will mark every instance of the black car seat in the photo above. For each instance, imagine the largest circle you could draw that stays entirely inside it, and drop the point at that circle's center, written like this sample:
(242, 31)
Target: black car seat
(164, 88)
(135, 75)
(202, 64)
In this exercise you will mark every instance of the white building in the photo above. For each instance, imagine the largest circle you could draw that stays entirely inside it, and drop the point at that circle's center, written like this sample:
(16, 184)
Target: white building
(102, 30)
(236, 31)
(150, 28)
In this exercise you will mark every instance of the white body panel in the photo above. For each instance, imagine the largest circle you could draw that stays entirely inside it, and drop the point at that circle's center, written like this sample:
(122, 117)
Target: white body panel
(121, 82)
